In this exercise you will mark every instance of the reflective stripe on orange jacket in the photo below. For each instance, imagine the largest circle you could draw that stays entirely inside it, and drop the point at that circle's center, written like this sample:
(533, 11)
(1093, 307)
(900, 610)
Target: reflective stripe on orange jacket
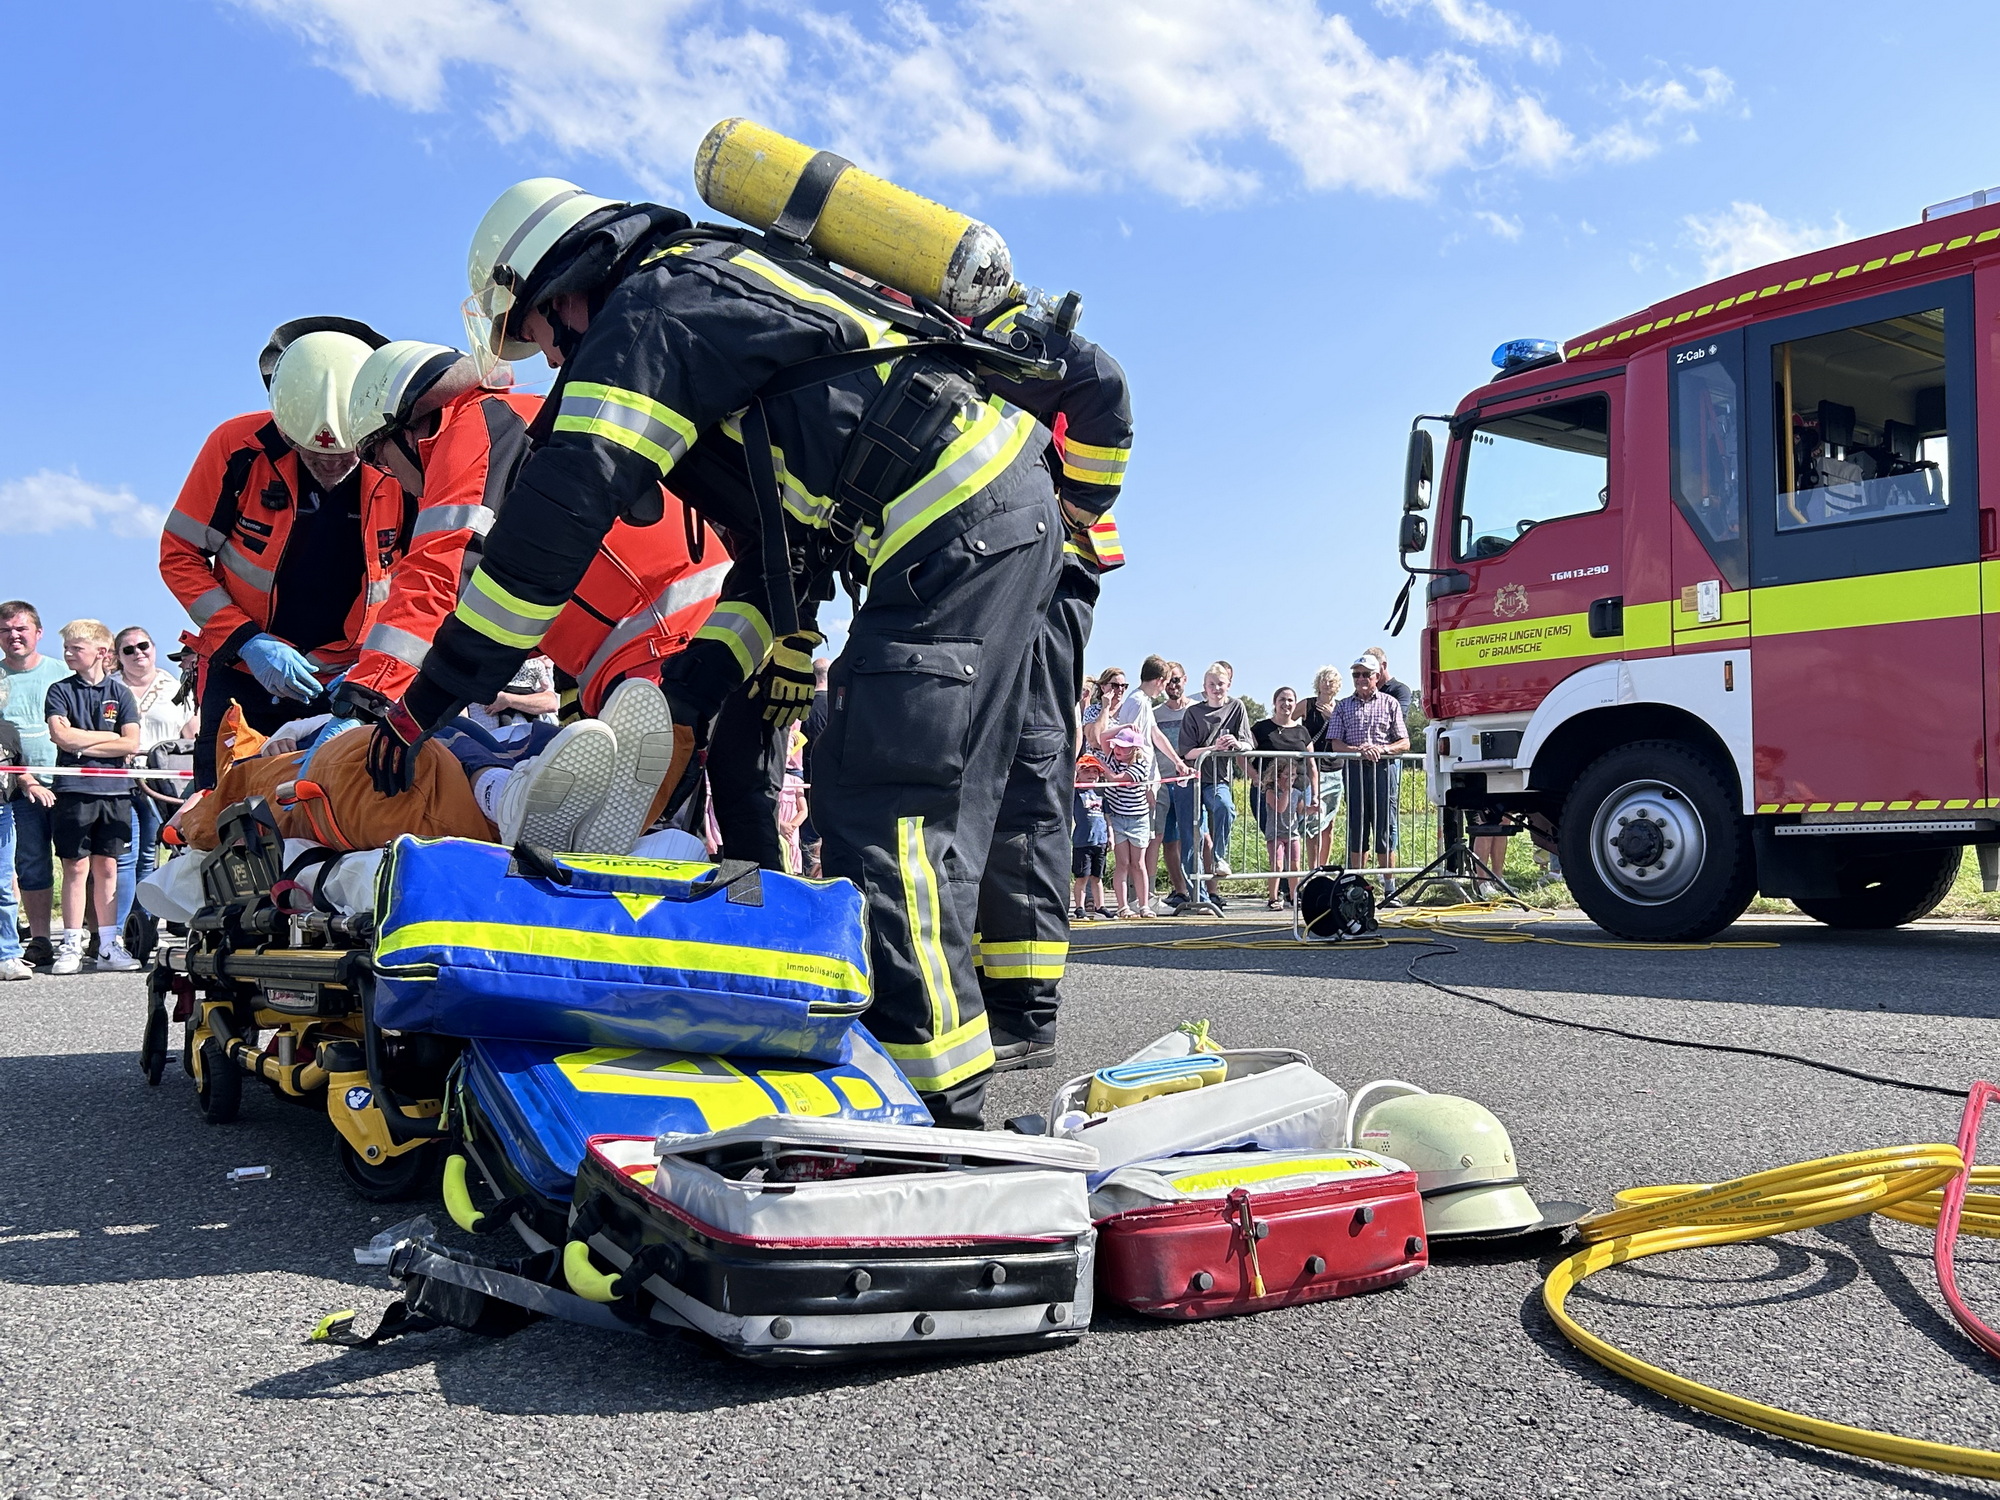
(481, 438)
(222, 571)
(642, 598)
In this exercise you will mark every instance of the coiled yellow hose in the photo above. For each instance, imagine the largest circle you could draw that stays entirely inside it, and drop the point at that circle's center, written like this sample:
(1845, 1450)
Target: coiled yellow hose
(1899, 1182)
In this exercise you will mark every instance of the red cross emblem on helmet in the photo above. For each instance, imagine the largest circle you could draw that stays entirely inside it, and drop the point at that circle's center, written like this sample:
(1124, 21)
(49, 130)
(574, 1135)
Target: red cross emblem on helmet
(324, 438)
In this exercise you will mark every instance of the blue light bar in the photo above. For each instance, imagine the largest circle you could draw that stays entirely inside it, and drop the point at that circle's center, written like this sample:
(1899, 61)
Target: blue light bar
(1516, 352)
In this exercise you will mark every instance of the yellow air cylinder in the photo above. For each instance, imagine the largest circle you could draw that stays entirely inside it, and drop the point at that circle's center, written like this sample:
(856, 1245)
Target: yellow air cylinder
(885, 232)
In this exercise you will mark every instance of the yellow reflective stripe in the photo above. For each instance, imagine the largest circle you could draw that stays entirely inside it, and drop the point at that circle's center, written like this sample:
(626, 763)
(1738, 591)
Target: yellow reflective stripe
(1085, 476)
(502, 616)
(743, 629)
(922, 908)
(1878, 599)
(800, 501)
(657, 433)
(872, 330)
(1025, 960)
(976, 458)
(1107, 456)
(936, 1065)
(1089, 464)
(1553, 638)
(807, 970)
(1274, 1171)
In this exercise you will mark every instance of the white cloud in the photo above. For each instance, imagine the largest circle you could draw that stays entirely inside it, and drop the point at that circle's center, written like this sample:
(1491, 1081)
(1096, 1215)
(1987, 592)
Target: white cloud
(1666, 97)
(1747, 234)
(1483, 25)
(1508, 228)
(53, 501)
(1189, 98)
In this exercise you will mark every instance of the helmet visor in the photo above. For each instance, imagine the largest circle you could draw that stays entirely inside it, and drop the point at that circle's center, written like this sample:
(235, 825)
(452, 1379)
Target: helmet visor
(484, 328)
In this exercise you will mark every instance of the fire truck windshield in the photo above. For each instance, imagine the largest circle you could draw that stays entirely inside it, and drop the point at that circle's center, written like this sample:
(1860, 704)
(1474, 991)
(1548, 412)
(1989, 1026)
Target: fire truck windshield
(1529, 467)
(1866, 409)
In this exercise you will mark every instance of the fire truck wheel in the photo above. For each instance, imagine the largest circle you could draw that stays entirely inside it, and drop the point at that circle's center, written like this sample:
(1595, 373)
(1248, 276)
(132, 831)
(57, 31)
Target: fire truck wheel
(1653, 846)
(1886, 891)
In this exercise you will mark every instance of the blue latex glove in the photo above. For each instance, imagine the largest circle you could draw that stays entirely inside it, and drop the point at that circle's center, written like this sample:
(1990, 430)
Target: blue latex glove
(327, 731)
(279, 669)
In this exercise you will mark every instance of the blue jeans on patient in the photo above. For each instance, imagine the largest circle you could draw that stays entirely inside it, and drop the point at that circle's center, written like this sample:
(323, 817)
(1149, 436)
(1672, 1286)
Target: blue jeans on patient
(10, 908)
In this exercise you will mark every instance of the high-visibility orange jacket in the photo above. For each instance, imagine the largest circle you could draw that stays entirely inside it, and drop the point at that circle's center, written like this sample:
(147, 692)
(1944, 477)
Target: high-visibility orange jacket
(225, 539)
(641, 600)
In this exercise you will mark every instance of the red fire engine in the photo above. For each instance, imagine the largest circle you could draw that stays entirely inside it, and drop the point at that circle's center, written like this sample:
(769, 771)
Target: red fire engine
(1714, 590)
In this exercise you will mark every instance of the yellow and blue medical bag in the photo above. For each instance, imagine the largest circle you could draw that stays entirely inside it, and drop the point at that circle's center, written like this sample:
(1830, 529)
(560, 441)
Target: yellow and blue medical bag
(611, 951)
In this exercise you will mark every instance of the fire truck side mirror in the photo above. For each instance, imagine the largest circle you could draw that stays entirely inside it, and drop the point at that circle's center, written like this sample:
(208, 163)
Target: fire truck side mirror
(1417, 474)
(1414, 535)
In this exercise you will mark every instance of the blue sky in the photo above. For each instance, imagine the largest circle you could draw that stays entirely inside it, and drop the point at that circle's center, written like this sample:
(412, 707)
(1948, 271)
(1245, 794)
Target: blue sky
(1296, 225)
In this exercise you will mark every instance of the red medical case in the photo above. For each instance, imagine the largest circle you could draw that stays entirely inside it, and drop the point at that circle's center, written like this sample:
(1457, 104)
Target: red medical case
(1245, 1231)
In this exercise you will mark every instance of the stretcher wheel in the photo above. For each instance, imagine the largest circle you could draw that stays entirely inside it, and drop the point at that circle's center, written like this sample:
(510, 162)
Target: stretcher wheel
(412, 1175)
(153, 1046)
(221, 1087)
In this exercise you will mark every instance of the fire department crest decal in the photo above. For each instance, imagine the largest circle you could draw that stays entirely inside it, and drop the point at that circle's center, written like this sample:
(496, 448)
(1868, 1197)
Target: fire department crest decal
(1511, 601)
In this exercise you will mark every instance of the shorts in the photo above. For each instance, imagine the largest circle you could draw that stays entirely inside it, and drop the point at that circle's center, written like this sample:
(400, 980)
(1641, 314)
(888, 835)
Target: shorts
(1086, 861)
(1131, 828)
(91, 825)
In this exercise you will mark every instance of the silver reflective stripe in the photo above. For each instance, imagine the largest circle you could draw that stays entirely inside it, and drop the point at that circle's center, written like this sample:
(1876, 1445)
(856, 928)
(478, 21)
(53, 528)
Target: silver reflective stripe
(679, 594)
(378, 591)
(203, 609)
(617, 414)
(528, 226)
(407, 648)
(1074, 460)
(491, 610)
(318, 663)
(258, 578)
(474, 518)
(191, 531)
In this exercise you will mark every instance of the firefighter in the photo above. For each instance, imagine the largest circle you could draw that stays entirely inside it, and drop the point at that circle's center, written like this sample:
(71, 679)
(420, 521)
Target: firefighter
(893, 466)
(422, 412)
(280, 543)
(1024, 890)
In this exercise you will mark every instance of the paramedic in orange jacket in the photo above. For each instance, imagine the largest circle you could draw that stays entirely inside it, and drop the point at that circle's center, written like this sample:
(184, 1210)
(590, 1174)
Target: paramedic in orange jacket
(280, 543)
(421, 412)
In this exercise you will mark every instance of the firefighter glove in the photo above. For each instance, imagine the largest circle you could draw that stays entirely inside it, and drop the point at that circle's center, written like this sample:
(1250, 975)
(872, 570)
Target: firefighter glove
(280, 669)
(392, 753)
(785, 684)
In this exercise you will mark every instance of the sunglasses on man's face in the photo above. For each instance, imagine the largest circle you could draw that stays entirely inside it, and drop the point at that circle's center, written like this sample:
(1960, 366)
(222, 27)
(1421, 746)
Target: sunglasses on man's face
(134, 648)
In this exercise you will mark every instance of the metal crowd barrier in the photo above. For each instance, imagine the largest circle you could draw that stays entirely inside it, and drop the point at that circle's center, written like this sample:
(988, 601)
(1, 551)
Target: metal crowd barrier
(1309, 808)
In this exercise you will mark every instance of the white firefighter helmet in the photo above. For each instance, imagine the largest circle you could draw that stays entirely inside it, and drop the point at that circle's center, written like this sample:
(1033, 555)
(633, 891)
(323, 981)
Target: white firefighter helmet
(389, 385)
(520, 228)
(309, 391)
(1463, 1157)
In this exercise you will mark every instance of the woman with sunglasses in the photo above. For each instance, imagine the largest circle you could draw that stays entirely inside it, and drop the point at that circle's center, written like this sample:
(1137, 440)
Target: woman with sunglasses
(137, 665)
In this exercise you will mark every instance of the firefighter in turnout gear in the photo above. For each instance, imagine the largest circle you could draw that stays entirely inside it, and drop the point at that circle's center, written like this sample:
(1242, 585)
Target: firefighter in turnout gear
(1023, 940)
(422, 412)
(824, 427)
(280, 543)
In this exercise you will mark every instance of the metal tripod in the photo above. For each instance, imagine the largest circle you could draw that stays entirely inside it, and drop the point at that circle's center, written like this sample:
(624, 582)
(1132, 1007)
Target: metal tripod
(1457, 865)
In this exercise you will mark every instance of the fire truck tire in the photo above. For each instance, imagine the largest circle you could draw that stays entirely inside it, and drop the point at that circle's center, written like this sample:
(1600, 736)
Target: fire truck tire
(1653, 847)
(1887, 890)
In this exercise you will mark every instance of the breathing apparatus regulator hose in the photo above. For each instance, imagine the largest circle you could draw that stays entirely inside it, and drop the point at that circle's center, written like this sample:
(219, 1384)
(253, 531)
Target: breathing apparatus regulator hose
(1914, 1184)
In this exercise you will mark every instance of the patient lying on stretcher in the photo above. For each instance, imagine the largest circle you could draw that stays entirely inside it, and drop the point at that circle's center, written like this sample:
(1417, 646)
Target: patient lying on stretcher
(592, 786)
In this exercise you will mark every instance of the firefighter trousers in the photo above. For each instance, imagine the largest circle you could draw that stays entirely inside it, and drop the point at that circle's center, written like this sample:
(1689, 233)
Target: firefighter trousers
(1023, 940)
(746, 768)
(925, 711)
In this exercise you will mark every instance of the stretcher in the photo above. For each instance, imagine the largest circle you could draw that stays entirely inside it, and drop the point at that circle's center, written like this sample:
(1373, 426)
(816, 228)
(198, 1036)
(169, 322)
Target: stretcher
(275, 985)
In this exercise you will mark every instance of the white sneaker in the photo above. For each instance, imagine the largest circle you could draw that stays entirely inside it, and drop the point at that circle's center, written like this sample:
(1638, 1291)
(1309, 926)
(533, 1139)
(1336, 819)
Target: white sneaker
(1222, 868)
(69, 953)
(114, 957)
(547, 799)
(13, 968)
(636, 713)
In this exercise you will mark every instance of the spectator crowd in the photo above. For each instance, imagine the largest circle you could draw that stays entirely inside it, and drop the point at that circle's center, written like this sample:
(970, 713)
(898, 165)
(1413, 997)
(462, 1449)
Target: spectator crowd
(1156, 771)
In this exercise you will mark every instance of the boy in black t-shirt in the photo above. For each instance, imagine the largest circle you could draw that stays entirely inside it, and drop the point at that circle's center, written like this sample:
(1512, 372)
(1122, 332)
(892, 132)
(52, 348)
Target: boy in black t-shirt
(94, 723)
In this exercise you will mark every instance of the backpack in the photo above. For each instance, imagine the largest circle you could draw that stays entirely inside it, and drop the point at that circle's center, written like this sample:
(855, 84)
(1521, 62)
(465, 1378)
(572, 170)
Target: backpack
(1335, 903)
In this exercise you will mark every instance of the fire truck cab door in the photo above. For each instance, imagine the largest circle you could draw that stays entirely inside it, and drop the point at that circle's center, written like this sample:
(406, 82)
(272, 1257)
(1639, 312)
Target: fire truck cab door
(1867, 691)
(1537, 528)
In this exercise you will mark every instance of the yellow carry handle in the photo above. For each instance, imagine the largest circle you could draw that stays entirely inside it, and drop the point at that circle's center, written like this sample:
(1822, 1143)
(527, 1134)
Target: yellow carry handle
(584, 1278)
(458, 1198)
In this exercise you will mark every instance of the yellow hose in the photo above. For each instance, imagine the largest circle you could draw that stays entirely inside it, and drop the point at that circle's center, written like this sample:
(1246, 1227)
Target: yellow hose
(1901, 1182)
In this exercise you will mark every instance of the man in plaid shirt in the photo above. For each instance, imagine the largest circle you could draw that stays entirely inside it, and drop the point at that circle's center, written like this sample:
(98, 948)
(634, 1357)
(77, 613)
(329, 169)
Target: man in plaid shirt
(1371, 723)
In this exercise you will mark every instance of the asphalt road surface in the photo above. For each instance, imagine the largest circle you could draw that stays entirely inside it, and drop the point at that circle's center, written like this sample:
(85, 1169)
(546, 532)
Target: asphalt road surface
(152, 1316)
